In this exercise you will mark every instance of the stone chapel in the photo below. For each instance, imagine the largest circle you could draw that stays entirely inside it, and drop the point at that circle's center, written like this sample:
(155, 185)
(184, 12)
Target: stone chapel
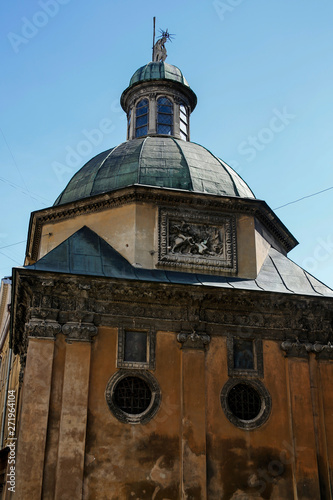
(169, 347)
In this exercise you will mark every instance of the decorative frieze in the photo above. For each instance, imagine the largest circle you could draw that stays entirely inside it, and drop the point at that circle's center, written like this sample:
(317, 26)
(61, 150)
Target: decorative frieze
(79, 332)
(81, 300)
(193, 340)
(189, 240)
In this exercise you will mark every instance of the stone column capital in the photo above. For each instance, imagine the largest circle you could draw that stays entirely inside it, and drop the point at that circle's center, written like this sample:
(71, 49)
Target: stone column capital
(193, 340)
(43, 329)
(79, 332)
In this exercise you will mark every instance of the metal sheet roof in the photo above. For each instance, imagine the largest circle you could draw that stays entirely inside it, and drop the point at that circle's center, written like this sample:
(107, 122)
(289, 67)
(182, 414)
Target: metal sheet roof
(158, 162)
(87, 253)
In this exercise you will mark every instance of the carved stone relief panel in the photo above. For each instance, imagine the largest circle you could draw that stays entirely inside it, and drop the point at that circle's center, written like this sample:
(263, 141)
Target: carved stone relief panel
(190, 240)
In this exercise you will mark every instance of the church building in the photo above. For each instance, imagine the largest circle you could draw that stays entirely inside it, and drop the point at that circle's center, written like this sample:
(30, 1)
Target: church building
(169, 348)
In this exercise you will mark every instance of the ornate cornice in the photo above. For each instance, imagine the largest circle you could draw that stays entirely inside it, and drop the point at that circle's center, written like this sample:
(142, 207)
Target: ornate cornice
(82, 303)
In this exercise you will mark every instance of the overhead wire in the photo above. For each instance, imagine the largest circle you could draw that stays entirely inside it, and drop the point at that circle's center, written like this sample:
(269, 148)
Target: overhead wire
(23, 191)
(13, 244)
(14, 161)
(303, 198)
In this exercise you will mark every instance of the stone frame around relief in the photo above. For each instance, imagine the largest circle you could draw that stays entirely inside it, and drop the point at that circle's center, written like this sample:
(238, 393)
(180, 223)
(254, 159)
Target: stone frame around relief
(151, 346)
(205, 241)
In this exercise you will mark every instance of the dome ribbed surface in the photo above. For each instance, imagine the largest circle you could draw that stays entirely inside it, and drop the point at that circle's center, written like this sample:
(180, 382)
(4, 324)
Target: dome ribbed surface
(158, 71)
(159, 162)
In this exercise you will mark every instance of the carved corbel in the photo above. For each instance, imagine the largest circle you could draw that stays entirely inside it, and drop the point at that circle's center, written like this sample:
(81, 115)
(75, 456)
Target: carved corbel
(193, 340)
(79, 332)
(42, 329)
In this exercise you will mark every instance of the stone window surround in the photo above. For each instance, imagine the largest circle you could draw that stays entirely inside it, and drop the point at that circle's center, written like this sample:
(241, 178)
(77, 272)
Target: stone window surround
(140, 418)
(258, 370)
(152, 114)
(266, 403)
(151, 345)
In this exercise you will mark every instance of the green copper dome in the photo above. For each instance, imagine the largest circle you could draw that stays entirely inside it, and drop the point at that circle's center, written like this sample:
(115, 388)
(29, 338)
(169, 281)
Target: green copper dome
(163, 162)
(158, 71)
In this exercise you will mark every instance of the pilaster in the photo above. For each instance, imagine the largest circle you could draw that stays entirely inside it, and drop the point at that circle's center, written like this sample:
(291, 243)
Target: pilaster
(73, 420)
(306, 482)
(35, 408)
(193, 459)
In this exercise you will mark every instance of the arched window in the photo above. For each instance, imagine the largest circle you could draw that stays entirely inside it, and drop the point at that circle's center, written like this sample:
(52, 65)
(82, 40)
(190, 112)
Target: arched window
(141, 118)
(164, 116)
(183, 122)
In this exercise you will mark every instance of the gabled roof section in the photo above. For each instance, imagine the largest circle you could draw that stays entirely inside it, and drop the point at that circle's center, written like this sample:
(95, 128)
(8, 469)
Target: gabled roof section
(86, 253)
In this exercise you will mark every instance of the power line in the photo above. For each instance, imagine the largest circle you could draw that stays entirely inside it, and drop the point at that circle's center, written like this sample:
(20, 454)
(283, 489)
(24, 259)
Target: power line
(304, 197)
(13, 244)
(10, 258)
(23, 191)
(14, 161)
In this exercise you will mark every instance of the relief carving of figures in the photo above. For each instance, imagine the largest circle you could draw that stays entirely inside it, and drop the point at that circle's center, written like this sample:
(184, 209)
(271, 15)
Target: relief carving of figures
(195, 239)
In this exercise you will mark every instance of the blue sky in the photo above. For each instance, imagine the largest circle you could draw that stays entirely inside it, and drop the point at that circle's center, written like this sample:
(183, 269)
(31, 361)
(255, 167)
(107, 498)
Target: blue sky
(262, 71)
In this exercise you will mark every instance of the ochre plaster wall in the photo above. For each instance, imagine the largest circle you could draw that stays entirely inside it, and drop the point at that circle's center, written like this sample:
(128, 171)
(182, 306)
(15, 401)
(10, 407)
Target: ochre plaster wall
(262, 249)
(246, 256)
(116, 226)
(133, 461)
(189, 446)
(132, 230)
(258, 463)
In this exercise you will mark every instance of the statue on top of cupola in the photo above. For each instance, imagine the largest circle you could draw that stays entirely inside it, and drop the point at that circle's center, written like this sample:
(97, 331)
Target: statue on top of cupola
(159, 50)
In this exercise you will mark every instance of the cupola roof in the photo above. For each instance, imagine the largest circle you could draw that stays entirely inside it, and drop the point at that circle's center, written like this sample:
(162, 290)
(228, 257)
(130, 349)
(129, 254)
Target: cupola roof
(158, 71)
(161, 72)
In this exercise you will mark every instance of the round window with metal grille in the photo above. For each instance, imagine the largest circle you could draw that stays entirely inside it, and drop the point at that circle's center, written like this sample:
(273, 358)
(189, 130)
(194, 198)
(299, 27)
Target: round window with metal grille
(247, 404)
(133, 396)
